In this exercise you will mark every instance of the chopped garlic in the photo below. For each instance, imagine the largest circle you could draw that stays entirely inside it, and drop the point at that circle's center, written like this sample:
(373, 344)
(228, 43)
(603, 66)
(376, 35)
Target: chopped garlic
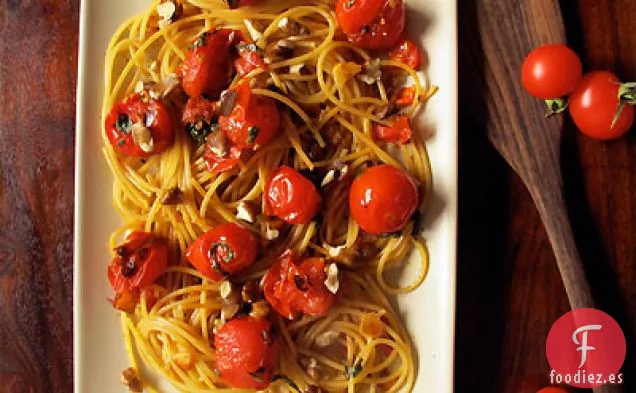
(335, 252)
(225, 289)
(245, 212)
(283, 22)
(170, 82)
(142, 137)
(255, 34)
(332, 282)
(328, 178)
(270, 233)
(295, 69)
(167, 11)
(229, 311)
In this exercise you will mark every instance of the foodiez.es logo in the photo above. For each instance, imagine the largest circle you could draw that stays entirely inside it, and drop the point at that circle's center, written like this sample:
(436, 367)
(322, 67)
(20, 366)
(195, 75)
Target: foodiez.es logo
(586, 348)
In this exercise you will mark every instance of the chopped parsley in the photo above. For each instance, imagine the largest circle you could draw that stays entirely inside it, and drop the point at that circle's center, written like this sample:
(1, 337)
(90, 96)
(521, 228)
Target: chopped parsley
(353, 371)
(252, 134)
(351, 3)
(201, 129)
(123, 124)
(120, 142)
(227, 255)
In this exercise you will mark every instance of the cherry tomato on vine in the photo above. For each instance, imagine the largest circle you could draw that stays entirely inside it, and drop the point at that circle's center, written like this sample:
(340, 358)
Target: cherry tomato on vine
(139, 126)
(295, 287)
(371, 24)
(139, 261)
(406, 52)
(246, 352)
(224, 250)
(383, 199)
(551, 71)
(595, 103)
(291, 197)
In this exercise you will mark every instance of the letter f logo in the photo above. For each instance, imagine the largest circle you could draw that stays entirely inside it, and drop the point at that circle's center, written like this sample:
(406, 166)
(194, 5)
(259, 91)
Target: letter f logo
(583, 344)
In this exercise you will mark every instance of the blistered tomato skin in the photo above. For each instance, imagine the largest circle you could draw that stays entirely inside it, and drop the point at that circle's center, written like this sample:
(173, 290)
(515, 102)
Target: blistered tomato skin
(224, 250)
(247, 351)
(139, 110)
(383, 199)
(380, 32)
(291, 197)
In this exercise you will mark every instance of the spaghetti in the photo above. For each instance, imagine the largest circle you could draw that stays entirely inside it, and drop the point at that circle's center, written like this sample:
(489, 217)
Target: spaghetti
(360, 345)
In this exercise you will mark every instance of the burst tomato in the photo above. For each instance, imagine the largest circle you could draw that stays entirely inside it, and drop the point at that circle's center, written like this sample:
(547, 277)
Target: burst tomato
(294, 287)
(291, 197)
(254, 120)
(224, 250)
(207, 68)
(371, 24)
(139, 126)
(383, 199)
(594, 104)
(250, 58)
(246, 352)
(551, 71)
(400, 132)
(200, 117)
(139, 261)
(406, 52)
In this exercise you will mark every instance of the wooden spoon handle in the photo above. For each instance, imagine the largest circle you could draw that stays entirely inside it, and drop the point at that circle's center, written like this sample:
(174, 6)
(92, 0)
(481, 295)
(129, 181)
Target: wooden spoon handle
(552, 210)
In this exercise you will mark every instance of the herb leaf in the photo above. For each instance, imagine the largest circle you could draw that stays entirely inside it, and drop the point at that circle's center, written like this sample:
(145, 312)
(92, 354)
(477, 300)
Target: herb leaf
(252, 134)
(227, 250)
(287, 380)
(353, 371)
(201, 129)
(123, 123)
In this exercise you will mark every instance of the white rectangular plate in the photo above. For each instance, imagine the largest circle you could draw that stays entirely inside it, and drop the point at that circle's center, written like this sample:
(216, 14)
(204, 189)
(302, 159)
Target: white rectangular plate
(429, 312)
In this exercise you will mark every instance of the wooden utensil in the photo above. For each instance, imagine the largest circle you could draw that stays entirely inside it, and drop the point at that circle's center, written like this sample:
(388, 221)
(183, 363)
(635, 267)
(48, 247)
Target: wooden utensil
(517, 128)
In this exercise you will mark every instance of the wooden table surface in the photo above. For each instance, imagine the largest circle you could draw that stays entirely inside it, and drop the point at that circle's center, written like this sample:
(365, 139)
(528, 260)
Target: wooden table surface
(509, 290)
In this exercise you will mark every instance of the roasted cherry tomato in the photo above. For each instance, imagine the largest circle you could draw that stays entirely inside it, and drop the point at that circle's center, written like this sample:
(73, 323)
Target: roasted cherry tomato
(400, 132)
(200, 117)
(220, 162)
(246, 352)
(371, 24)
(139, 126)
(594, 104)
(250, 58)
(139, 261)
(406, 52)
(207, 68)
(224, 250)
(551, 71)
(298, 288)
(405, 96)
(253, 120)
(383, 199)
(290, 196)
(353, 15)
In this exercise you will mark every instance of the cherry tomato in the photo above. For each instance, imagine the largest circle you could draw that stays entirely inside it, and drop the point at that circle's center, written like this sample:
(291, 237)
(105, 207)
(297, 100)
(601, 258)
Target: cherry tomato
(551, 71)
(207, 68)
(400, 132)
(250, 58)
(254, 120)
(136, 118)
(353, 15)
(293, 288)
(246, 352)
(406, 52)
(224, 250)
(552, 389)
(405, 96)
(383, 199)
(594, 104)
(200, 117)
(220, 163)
(366, 27)
(291, 197)
(139, 261)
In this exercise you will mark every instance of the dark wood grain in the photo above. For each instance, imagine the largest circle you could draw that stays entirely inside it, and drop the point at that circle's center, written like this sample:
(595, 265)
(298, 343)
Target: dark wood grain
(516, 291)
(509, 290)
(38, 46)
